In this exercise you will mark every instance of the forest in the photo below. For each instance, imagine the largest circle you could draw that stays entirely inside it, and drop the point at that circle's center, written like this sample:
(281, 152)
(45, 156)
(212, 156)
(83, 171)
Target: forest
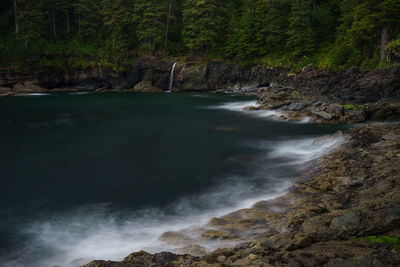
(332, 34)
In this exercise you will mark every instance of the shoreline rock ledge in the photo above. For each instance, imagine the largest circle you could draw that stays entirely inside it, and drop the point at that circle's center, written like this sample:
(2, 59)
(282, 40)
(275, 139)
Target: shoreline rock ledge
(324, 220)
(336, 97)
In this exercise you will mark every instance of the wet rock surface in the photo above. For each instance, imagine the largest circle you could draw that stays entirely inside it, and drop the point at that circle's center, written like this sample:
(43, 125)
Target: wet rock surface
(336, 97)
(352, 192)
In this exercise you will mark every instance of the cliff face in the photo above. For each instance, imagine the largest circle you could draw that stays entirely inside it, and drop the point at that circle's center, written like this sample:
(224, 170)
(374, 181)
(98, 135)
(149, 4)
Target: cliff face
(151, 74)
(349, 85)
(148, 74)
(336, 97)
(218, 75)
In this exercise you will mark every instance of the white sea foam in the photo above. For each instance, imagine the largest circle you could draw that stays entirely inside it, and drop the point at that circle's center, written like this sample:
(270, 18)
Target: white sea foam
(240, 106)
(272, 114)
(306, 120)
(95, 232)
(32, 94)
(236, 106)
(98, 232)
(79, 93)
(306, 149)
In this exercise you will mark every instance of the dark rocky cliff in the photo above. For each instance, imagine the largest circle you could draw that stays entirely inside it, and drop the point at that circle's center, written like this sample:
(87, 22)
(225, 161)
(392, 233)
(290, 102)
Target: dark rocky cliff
(151, 74)
(147, 74)
(349, 85)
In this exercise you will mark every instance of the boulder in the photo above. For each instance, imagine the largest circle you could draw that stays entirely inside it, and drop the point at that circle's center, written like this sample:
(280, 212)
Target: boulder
(4, 90)
(356, 115)
(28, 87)
(322, 114)
(336, 109)
(146, 87)
(349, 221)
(6, 94)
(296, 106)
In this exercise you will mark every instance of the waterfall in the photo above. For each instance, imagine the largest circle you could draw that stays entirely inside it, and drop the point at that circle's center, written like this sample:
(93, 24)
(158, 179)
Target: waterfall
(171, 78)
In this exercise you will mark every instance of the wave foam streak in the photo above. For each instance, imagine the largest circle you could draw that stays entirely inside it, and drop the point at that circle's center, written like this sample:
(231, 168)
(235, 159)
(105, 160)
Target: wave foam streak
(98, 231)
(241, 105)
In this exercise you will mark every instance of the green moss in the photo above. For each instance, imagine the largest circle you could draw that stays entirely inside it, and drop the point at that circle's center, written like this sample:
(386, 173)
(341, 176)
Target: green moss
(349, 106)
(393, 45)
(393, 241)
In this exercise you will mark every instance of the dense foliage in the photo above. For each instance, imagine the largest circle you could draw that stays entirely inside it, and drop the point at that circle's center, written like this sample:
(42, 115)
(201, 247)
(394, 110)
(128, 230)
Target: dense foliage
(329, 33)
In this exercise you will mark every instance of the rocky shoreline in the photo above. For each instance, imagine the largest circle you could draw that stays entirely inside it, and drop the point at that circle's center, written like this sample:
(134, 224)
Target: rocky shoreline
(348, 194)
(350, 96)
(320, 96)
(351, 193)
(346, 199)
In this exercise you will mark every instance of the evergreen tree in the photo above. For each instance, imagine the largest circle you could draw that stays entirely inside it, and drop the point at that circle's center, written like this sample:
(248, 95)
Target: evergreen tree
(116, 14)
(150, 18)
(366, 28)
(343, 32)
(324, 21)
(171, 4)
(271, 25)
(57, 12)
(201, 24)
(246, 33)
(30, 20)
(300, 41)
(234, 10)
(90, 21)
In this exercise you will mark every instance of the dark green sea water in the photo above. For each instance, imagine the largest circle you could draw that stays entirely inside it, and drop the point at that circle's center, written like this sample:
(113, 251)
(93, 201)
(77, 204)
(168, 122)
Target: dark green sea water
(100, 176)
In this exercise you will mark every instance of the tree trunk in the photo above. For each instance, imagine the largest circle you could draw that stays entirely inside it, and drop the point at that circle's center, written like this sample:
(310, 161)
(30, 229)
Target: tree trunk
(314, 4)
(167, 28)
(67, 22)
(54, 24)
(15, 17)
(26, 36)
(384, 39)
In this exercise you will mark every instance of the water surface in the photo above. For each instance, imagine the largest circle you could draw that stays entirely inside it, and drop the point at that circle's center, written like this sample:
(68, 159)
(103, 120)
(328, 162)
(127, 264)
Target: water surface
(100, 176)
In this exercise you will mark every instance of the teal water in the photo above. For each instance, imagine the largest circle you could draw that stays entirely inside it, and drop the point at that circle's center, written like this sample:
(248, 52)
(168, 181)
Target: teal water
(100, 176)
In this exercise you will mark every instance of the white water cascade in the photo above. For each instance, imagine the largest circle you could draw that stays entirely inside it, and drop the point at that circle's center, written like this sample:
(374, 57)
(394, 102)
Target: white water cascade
(171, 78)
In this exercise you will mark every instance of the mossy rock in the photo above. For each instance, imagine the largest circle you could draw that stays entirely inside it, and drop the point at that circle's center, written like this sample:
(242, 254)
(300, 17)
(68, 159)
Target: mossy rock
(391, 240)
(392, 51)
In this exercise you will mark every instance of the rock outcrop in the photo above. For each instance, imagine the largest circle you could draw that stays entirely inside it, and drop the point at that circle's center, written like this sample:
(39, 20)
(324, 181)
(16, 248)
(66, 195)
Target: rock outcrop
(147, 74)
(336, 97)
